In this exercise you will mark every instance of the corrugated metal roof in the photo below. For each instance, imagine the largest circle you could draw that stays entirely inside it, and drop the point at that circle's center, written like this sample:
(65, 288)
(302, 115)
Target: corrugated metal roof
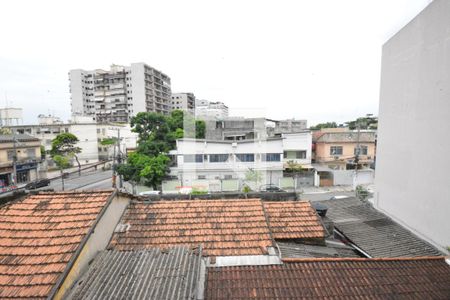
(147, 274)
(296, 250)
(374, 232)
(412, 278)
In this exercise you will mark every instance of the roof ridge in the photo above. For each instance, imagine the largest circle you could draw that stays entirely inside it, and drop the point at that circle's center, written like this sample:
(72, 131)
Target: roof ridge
(324, 259)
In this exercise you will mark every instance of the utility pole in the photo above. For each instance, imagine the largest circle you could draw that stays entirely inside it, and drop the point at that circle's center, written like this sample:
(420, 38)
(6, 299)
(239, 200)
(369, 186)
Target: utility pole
(114, 167)
(119, 157)
(14, 179)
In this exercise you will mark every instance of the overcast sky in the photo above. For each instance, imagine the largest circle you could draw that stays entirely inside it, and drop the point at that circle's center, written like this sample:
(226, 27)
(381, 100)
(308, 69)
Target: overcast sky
(314, 60)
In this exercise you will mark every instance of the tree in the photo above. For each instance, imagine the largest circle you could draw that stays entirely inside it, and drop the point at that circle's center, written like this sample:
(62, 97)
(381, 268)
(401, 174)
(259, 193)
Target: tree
(157, 135)
(65, 144)
(43, 152)
(200, 129)
(155, 170)
(253, 176)
(324, 125)
(63, 163)
(5, 131)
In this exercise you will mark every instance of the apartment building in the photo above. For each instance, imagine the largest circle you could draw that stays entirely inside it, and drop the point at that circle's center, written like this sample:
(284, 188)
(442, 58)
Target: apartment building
(236, 128)
(27, 153)
(205, 109)
(290, 126)
(120, 93)
(89, 133)
(184, 102)
(297, 147)
(217, 160)
(337, 148)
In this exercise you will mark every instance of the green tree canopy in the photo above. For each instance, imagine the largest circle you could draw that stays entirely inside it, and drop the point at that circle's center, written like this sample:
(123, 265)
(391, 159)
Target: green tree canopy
(324, 125)
(157, 135)
(64, 144)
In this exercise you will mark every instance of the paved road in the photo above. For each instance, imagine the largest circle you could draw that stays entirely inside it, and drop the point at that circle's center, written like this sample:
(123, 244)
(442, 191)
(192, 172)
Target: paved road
(89, 180)
(324, 196)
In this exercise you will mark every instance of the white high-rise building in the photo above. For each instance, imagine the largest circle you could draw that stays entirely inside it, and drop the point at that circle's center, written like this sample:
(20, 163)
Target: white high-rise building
(205, 109)
(119, 93)
(183, 101)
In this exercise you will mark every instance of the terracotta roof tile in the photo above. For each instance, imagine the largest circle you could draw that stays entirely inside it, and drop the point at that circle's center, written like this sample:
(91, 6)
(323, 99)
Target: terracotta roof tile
(293, 220)
(38, 237)
(413, 278)
(223, 227)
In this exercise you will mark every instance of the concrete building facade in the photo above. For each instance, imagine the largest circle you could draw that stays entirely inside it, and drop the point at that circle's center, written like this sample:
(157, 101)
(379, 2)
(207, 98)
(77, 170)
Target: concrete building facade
(413, 162)
(297, 147)
(184, 102)
(89, 133)
(225, 160)
(205, 109)
(337, 149)
(26, 151)
(118, 94)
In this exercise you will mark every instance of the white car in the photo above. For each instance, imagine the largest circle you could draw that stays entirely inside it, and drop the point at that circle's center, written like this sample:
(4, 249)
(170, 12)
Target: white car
(148, 193)
(337, 197)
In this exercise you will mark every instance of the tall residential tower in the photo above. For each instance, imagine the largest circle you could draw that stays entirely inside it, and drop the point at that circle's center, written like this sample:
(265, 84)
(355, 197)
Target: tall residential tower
(119, 93)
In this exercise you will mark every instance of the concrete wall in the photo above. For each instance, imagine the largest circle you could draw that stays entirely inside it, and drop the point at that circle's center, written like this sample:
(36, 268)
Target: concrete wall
(297, 142)
(137, 88)
(97, 241)
(413, 155)
(76, 91)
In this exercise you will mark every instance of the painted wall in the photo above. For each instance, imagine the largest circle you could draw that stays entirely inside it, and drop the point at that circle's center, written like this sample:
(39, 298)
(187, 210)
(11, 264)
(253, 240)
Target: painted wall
(98, 241)
(413, 161)
(296, 142)
(323, 151)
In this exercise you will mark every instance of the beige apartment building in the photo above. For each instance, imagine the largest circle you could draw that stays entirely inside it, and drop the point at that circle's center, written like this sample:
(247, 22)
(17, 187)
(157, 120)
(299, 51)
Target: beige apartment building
(337, 148)
(28, 155)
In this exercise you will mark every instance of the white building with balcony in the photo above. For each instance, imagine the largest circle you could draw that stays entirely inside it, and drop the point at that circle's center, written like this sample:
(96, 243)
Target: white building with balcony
(297, 147)
(120, 93)
(226, 160)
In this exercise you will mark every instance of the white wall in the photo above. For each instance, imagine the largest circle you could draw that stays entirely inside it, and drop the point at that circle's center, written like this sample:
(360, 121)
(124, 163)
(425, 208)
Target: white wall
(296, 142)
(138, 88)
(87, 136)
(413, 155)
(76, 89)
(270, 171)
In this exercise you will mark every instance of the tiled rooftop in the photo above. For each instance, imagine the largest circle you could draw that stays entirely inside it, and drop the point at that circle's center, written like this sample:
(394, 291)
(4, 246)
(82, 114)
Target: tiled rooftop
(222, 227)
(372, 231)
(38, 237)
(293, 220)
(426, 278)
(147, 274)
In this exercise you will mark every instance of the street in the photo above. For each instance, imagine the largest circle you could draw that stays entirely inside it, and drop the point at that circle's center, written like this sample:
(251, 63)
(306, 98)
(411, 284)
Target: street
(89, 180)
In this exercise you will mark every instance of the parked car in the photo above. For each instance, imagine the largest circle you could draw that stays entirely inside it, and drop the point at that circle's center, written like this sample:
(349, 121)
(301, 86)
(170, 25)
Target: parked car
(37, 184)
(148, 193)
(270, 188)
(337, 197)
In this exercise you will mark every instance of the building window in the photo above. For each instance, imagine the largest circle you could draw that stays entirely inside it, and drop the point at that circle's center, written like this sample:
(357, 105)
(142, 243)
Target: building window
(10, 154)
(218, 158)
(271, 157)
(295, 154)
(362, 150)
(336, 150)
(190, 158)
(201, 177)
(246, 157)
(226, 177)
